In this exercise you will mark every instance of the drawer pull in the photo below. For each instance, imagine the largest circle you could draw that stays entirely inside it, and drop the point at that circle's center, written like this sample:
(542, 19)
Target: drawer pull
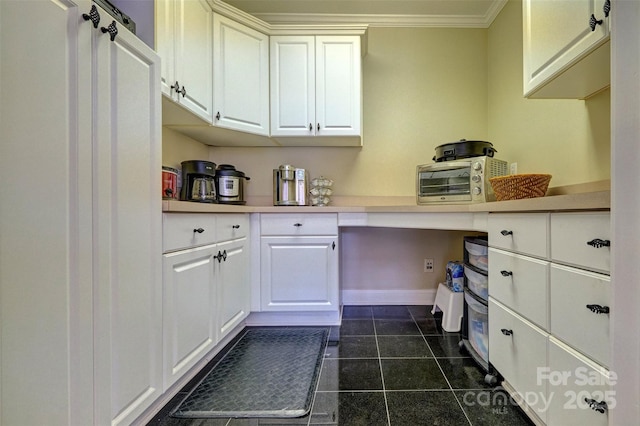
(297, 224)
(597, 243)
(506, 273)
(506, 332)
(505, 232)
(236, 226)
(599, 406)
(199, 230)
(597, 309)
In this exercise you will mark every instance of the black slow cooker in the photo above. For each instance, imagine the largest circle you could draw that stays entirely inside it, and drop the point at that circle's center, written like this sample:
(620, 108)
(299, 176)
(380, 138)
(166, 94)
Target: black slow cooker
(463, 149)
(230, 184)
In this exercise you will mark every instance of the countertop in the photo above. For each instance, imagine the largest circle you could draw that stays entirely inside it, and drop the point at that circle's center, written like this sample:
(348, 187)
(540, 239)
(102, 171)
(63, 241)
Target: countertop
(589, 196)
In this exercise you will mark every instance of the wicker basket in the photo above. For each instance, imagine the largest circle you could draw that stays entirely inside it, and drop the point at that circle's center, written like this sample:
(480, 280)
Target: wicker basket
(516, 187)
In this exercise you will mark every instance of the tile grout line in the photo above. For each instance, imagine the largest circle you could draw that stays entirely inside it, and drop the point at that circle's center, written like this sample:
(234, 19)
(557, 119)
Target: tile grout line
(442, 371)
(384, 388)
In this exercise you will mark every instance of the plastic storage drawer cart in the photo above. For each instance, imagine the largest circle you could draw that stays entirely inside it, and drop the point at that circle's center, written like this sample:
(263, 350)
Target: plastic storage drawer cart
(475, 325)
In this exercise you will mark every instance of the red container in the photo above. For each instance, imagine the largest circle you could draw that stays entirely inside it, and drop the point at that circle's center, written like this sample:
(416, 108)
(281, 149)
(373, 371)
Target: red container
(169, 183)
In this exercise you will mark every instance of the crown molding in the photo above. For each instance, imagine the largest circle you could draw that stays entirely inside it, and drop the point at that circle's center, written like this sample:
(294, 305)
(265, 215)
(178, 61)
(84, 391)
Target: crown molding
(378, 20)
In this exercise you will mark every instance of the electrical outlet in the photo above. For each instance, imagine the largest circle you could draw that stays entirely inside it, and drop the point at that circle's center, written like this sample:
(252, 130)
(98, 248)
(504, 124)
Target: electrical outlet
(428, 265)
(513, 168)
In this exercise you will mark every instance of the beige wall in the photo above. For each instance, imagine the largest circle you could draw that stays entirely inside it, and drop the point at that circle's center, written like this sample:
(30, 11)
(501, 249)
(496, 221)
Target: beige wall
(569, 139)
(422, 88)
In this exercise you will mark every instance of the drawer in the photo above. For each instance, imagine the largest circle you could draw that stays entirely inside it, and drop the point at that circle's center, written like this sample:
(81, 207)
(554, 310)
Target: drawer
(525, 233)
(521, 283)
(231, 226)
(575, 238)
(179, 230)
(299, 224)
(571, 291)
(571, 378)
(517, 348)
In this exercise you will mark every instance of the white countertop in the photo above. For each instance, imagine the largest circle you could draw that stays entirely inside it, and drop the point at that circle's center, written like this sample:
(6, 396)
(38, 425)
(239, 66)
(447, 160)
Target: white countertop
(592, 200)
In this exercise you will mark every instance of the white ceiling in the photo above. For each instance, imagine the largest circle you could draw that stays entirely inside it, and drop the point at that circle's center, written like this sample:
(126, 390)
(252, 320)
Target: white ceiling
(394, 13)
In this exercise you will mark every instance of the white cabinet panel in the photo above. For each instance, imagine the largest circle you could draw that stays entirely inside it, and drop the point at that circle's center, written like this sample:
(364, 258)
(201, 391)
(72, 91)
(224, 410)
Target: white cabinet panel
(184, 230)
(241, 77)
(580, 302)
(517, 350)
(526, 233)
(316, 90)
(299, 224)
(521, 283)
(184, 40)
(575, 381)
(299, 273)
(563, 57)
(234, 287)
(582, 239)
(189, 304)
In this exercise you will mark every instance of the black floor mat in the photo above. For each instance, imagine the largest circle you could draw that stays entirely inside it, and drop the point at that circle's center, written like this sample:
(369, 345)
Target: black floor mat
(270, 372)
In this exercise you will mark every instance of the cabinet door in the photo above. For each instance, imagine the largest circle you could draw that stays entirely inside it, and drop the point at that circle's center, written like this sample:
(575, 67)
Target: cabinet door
(293, 86)
(338, 86)
(241, 77)
(189, 309)
(184, 40)
(556, 37)
(45, 220)
(299, 273)
(572, 379)
(517, 349)
(234, 286)
(194, 56)
(128, 230)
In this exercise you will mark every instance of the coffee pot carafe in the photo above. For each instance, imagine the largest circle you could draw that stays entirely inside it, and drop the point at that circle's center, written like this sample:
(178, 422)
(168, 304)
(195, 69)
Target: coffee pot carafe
(290, 186)
(198, 182)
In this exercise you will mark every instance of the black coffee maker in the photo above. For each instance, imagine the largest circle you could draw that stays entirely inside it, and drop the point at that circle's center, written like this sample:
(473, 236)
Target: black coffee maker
(198, 183)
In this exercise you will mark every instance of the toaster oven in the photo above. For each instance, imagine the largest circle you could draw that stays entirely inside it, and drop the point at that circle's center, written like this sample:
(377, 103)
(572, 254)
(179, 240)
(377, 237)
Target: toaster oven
(458, 181)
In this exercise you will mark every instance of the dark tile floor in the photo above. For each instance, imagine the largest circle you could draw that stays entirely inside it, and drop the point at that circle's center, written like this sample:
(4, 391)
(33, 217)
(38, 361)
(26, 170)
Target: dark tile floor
(393, 366)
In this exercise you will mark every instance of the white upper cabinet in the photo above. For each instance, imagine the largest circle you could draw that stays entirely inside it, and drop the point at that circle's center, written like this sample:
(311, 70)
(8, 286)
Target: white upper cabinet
(316, 89)
(566, 48)
(240, 77)
(184, 41)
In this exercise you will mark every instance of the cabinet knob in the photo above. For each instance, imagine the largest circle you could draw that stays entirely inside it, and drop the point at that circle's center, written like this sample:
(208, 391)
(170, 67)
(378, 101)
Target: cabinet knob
(598, 243)
(236, 226)
(224, 255)
(606, 8)
(506, 273)
(598, 309)
(593, 22)
(93, 16)
(506, 332)
(218, 116)
(111, 29)
(506, 232)
(599, 406)
(297, 224)
(310, 127)
(318, 127)
(218, 256)
(199, 230)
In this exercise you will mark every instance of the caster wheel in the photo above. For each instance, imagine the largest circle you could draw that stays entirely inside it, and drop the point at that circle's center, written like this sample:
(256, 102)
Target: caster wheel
(490, 379)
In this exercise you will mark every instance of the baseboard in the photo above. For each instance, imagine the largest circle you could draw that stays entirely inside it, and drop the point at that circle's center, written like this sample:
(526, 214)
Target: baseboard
(293, 318)
(388, 297)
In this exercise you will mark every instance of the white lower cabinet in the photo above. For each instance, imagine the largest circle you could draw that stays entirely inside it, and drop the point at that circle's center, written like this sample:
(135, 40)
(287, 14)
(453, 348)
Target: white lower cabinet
(299, 262)
(234, 291)
(189, 309)
(518, 350)
(206, 287)
(549, 313)
(299, 274)
(580, 391)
